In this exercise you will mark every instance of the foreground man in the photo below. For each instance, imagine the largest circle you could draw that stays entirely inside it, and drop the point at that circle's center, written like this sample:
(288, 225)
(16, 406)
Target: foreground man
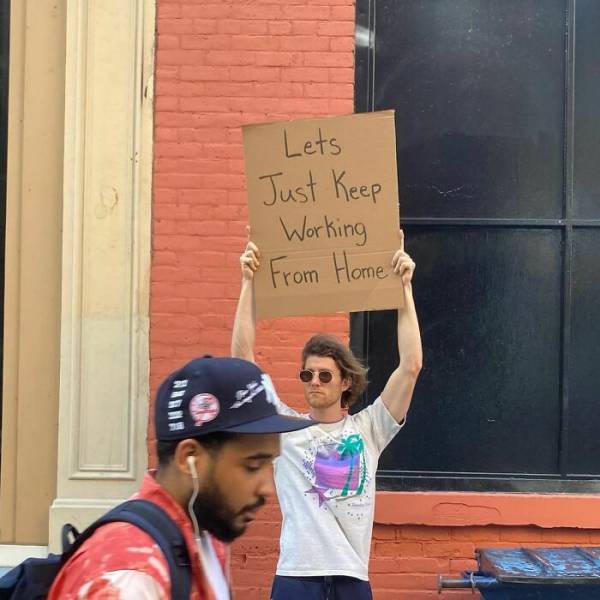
(325, 476)
(217, 429)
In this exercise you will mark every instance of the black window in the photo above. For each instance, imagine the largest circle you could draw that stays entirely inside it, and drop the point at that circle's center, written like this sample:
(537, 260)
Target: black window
(498, 138)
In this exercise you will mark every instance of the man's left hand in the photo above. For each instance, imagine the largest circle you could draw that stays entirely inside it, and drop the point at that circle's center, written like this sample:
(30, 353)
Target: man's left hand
(402, 263)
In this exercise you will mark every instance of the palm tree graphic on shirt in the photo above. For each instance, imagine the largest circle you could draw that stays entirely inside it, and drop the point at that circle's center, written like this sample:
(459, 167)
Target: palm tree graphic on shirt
(353, 446)
(340, 467)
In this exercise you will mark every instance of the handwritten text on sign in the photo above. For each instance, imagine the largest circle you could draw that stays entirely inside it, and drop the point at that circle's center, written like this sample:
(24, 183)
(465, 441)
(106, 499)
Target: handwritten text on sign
(323, 205)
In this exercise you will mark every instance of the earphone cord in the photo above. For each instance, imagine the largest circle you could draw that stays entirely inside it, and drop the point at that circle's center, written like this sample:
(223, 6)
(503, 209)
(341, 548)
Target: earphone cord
(191, 507)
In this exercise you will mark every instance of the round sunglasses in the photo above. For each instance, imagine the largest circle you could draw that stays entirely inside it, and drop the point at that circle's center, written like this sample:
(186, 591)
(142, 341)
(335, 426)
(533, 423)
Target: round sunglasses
(306, 376)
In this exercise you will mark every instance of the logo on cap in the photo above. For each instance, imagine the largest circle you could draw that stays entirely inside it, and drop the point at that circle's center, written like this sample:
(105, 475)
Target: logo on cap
(203, 408)
(248, 394)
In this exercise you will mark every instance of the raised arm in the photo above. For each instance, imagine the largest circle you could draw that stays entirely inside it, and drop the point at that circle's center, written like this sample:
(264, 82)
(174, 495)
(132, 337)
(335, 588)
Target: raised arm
(399, 388)
(244, 324)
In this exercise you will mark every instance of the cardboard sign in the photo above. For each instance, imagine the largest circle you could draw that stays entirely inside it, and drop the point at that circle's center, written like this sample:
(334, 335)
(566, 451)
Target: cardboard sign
(323, 206)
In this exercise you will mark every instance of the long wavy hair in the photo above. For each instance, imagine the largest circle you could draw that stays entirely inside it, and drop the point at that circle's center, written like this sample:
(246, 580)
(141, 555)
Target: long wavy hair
(350, 367)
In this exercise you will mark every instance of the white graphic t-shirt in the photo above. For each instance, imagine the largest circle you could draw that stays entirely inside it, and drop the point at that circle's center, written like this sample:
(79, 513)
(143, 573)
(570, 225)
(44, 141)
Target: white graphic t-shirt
(325, 478)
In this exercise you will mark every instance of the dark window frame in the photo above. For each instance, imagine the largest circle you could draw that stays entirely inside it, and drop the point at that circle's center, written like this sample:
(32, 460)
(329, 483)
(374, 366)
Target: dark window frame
(360, 323)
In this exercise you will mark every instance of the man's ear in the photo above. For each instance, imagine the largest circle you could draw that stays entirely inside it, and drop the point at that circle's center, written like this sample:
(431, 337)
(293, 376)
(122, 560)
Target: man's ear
(346, 383)
(189, 454)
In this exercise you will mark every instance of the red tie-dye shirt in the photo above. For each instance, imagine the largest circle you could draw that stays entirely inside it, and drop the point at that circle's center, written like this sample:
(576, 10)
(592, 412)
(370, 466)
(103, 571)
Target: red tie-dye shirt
(121, 562)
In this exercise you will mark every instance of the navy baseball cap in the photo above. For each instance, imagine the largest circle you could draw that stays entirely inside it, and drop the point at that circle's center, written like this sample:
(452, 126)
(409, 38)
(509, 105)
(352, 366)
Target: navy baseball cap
(212, 394)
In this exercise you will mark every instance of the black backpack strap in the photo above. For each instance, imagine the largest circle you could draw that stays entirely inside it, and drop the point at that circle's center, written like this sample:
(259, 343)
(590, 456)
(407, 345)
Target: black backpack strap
(153, 520)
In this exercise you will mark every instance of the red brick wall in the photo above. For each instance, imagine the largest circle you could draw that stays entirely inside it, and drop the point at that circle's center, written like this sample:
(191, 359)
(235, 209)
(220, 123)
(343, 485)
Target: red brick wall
(405, 561)
(220, 64)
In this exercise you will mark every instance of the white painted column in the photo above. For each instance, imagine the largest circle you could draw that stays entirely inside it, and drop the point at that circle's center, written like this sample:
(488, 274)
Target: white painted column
(104, 372)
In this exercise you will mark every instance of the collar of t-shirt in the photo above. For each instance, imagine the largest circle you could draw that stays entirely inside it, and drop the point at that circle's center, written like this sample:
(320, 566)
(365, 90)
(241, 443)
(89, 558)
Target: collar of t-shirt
(212, 568)
(329, 427)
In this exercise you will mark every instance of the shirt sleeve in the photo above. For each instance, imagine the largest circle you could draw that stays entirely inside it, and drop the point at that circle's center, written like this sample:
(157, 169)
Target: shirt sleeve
(376, 423)
(123, 585)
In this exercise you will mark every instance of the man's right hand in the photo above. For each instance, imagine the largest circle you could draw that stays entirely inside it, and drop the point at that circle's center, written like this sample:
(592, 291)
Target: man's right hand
(249, 261)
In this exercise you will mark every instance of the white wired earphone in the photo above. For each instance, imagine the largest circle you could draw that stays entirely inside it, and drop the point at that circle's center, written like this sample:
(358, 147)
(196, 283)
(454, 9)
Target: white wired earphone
(191, 461)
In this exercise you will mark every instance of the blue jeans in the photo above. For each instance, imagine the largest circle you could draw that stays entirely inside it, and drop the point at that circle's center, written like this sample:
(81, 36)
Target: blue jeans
(333, 587)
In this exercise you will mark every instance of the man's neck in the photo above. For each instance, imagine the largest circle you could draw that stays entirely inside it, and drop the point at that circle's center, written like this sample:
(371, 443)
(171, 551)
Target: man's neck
(166, 478)
(330, 414)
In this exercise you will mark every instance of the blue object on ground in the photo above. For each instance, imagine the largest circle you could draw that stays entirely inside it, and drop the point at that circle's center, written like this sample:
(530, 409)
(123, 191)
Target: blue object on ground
(534, 574)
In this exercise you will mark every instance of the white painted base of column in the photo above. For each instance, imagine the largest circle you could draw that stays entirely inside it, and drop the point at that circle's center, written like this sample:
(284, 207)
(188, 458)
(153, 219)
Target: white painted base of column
(13, 554)
(77, 511)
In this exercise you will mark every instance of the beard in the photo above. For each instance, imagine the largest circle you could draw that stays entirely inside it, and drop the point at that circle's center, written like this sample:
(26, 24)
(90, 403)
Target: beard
(213, 514)
(320, 400)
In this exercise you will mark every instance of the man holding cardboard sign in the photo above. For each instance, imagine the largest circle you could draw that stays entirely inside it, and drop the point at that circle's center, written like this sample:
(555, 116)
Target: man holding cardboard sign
(325, 476)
